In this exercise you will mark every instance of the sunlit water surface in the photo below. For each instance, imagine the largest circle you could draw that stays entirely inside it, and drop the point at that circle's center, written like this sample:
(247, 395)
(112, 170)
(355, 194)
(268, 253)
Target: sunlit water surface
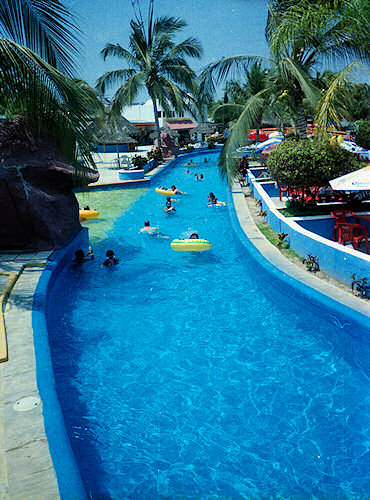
(198, 374)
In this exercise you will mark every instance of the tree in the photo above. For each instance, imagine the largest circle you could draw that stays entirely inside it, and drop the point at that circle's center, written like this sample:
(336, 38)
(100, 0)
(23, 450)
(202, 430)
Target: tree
(300, 34)
(302, 164)
(363, 135)
(255, 84)
(38, 42)
(154, 62)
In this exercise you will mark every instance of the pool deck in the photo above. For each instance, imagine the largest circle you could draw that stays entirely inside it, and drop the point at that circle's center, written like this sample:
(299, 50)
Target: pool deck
(26, 468)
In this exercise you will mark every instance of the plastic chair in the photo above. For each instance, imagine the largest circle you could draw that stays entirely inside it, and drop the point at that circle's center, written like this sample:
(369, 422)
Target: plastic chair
(355, 233)
(340, 217)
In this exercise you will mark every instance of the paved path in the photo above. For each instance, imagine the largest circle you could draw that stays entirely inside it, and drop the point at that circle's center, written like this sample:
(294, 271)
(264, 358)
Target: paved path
(26, 468)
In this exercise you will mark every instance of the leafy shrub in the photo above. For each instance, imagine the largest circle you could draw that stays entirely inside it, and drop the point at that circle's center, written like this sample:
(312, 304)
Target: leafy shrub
(363, 135)
(139, 161)
(305, 163)
(211, 145)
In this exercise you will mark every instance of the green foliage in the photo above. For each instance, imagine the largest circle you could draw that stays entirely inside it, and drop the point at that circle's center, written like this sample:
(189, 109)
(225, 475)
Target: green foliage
(363, 135)
(302, 35)
(139, 161)
(303, 164)
(155, 63)
(37, 44)
(211, 145)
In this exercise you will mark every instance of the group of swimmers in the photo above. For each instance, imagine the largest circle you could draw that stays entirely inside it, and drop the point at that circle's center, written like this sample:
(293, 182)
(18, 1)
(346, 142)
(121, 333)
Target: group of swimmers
(81, 256)
(111, 259)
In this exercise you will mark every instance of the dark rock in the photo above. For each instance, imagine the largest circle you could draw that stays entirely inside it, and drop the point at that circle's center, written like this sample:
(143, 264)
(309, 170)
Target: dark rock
(38, 209)
(169, 148)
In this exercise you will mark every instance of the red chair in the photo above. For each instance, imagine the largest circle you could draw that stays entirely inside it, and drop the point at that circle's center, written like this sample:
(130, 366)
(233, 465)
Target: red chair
(355, 233)
(340, 217)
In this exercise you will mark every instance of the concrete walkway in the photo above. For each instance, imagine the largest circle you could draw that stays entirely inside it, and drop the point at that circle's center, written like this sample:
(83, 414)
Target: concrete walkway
(26, 468)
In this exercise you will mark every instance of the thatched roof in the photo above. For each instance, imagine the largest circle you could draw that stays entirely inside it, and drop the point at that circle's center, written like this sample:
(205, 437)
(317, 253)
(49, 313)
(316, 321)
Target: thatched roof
(165, 130)
(117, 130)
(204, 128)
(111, 135)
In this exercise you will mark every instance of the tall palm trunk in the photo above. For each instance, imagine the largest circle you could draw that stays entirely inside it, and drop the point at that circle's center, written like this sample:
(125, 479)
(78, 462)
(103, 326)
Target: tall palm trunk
(301, 122)
(157, 128)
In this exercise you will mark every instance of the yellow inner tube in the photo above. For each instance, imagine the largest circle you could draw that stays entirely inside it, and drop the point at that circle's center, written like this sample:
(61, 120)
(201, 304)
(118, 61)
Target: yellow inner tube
(88, 214)
(165, 192)
(191, 164)
(190, 245)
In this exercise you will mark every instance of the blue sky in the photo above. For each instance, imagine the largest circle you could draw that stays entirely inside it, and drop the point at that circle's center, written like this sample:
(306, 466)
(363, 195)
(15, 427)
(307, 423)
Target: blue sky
(224, 27)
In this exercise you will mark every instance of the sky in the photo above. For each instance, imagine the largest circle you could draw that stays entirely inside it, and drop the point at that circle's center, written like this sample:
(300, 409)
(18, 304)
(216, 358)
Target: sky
(224, 28)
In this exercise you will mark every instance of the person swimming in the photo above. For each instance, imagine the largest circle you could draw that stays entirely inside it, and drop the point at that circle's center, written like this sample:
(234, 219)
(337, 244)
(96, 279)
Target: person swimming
(111, 259)
(169, 207)
(81, 256)
(194, 236)
(176, 191)
(212, 199)
(152, 230)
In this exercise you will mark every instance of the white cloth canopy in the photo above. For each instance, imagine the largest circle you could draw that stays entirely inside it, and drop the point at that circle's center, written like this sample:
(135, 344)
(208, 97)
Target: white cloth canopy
(354, 181)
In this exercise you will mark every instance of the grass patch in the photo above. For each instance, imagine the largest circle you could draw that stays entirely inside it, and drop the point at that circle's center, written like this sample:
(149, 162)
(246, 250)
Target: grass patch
(274, 239)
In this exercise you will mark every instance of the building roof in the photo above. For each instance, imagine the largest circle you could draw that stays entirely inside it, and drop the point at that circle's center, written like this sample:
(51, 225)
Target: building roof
(165, 130)
(180, 124)
(109, 136)
(118, 131)
(204, 128)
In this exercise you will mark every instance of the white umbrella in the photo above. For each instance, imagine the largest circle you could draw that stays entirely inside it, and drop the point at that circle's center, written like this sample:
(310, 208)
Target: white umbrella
(354, 181)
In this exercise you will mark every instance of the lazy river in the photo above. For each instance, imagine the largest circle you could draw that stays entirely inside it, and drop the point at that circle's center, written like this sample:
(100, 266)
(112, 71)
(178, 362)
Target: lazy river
(184, 374)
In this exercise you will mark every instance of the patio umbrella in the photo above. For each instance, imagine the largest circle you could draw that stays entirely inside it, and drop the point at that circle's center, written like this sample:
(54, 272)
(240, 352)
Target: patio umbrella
(354, 181)
(253, 135)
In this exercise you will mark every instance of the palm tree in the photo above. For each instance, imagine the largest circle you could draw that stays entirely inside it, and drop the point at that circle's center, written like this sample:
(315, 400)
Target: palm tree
(301, 34)
(155, 63)
(38, 42)
(256, 82)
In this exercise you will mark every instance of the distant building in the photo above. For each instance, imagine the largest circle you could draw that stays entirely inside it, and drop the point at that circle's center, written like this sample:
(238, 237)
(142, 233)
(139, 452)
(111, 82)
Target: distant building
(142, 116)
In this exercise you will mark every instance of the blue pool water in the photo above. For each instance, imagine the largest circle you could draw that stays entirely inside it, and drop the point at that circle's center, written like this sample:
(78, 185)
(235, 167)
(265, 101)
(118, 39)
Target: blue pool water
(200, 375)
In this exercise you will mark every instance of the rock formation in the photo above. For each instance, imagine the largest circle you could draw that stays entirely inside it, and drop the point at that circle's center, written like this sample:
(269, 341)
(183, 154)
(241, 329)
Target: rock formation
(38, 209)
(169, 148)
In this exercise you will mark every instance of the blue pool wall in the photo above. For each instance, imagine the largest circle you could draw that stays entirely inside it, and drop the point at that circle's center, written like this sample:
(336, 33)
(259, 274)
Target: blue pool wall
(69, 479)
(335, 259)
(68, 475)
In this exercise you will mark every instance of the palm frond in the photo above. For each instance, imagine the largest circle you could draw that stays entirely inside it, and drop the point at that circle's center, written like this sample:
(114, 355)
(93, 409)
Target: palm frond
(127, 93)
(112, 78)
(252, 112)
(335, 98)
(44, 26)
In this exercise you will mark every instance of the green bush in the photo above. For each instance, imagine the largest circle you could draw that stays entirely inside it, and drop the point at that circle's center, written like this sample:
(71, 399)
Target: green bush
(305, 163)
(139, 161)
(211, 145)
(363, 135)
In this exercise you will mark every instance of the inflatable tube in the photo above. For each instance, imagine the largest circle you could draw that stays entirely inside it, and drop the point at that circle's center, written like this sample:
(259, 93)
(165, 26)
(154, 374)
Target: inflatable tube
(333, 140)
(190, 245)
(88, 214)
(218, 204)
(165, 192)
(191, 164)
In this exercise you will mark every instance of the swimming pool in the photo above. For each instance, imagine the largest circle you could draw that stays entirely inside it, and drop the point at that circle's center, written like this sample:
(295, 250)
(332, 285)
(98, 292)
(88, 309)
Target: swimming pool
(199, 374)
